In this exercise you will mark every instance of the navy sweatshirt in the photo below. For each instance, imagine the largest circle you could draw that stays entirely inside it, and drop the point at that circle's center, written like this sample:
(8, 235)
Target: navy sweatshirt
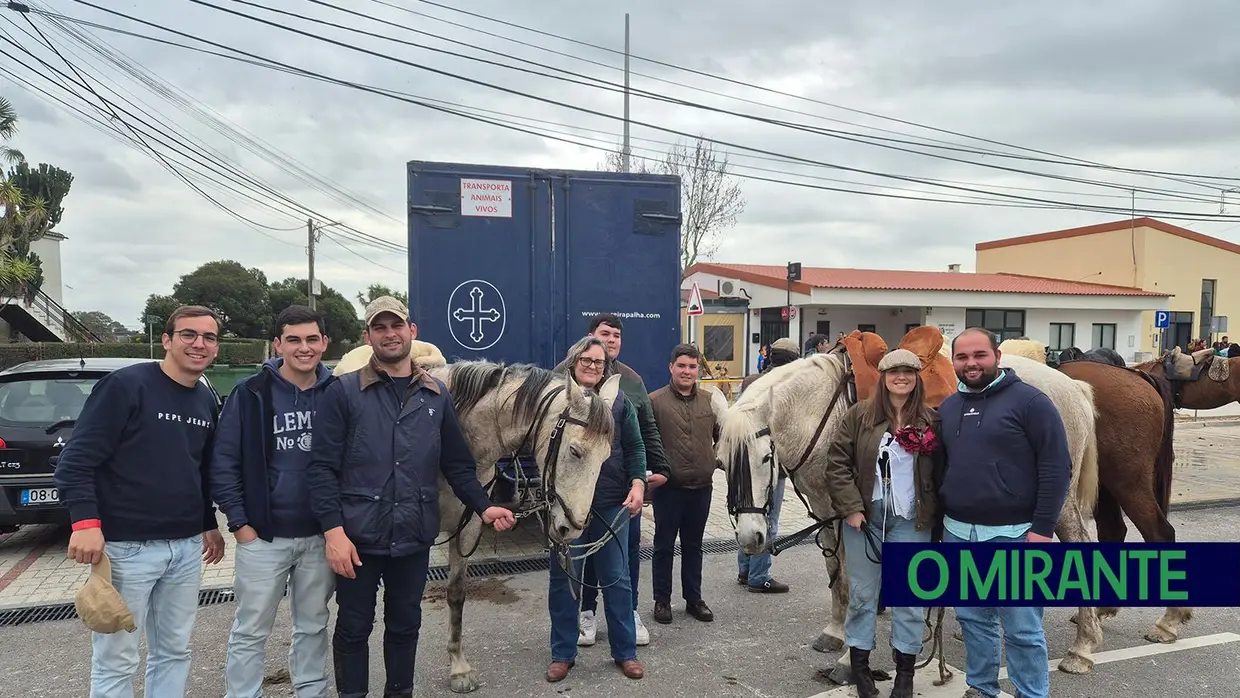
(1007, 456)
(262, 451)
(137, 457)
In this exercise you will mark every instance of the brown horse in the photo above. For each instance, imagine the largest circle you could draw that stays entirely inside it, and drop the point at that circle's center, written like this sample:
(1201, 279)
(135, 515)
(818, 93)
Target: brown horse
(1135, 428)
(1205, 388)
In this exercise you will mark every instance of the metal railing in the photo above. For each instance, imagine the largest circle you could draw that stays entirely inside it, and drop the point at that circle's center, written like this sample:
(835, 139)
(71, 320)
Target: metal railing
(59, 320)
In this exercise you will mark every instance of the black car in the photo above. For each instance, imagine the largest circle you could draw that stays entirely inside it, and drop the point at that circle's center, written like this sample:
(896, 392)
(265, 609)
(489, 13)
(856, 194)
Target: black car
(39, 402)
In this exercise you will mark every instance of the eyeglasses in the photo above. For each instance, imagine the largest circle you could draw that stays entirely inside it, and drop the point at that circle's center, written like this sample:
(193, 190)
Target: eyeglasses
(190, 336)
(592, 363)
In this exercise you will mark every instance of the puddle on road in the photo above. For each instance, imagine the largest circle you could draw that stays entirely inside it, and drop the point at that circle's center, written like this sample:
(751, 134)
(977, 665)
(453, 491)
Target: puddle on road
(494, 590)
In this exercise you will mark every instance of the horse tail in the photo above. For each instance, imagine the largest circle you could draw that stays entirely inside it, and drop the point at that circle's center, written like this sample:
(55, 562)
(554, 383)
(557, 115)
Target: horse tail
(1164, 462)
(1087, 480)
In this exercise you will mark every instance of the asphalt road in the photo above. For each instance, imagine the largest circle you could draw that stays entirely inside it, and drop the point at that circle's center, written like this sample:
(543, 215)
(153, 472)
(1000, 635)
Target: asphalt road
(758, 645)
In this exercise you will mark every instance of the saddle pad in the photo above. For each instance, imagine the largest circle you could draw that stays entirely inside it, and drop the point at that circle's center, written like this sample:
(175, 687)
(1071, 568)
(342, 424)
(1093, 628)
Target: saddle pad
(1220, 369)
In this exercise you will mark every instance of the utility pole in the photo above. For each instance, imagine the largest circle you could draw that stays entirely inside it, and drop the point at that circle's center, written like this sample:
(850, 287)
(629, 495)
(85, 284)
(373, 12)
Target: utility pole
(625, 152)
(310, 254)
(794, 274)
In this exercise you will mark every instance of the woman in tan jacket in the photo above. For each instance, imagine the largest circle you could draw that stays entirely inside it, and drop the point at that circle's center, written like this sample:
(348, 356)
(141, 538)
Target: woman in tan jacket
(883, 473)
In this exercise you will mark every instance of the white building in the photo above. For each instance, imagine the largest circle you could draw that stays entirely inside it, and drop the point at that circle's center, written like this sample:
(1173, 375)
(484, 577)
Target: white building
(825, 301)
(43, 318)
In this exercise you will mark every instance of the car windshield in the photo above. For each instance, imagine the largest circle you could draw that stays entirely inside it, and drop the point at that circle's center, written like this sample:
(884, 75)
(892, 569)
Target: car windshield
(43, 401)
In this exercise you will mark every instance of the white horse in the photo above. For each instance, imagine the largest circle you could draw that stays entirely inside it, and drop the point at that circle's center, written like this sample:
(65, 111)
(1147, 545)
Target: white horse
(504, 409)
(779, 414)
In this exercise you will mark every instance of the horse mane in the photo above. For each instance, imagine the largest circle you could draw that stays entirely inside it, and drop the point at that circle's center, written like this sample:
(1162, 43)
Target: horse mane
(744, 418)
(473, 381)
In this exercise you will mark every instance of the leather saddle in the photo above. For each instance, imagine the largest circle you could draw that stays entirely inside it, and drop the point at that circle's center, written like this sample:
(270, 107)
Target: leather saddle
(1189, 367)
(937, 374)
(865, 350)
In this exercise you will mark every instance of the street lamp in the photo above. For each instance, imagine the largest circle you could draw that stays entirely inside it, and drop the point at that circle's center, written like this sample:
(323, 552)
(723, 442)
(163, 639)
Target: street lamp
(150, 336)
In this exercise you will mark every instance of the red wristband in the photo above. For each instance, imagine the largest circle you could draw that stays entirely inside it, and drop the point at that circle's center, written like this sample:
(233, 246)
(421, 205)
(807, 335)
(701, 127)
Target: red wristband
(87, 523)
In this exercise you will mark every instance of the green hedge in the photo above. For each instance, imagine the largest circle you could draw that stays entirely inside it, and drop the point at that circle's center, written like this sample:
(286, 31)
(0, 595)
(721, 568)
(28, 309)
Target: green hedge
(232, 352)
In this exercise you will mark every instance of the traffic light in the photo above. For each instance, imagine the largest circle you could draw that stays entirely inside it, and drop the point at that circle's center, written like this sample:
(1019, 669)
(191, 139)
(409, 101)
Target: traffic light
(794, 271)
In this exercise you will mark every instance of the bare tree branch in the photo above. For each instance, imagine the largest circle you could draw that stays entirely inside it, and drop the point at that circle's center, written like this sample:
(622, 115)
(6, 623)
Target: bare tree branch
(711, 199)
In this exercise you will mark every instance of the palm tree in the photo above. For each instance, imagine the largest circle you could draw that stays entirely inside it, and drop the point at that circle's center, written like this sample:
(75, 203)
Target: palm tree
(18, 214)
(8, 128)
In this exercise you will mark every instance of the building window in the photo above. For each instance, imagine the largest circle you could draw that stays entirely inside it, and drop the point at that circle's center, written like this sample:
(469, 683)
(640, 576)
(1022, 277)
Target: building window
(1063, 335)
(1207, 309)
(866, 328)
(1104, 335)
(718, 343)
(1007, 324)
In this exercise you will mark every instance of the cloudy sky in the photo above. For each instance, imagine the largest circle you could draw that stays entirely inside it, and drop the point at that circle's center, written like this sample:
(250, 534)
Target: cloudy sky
(1141, 84)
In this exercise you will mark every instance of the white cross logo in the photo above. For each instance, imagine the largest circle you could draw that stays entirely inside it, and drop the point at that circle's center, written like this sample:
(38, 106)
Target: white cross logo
(431, 411)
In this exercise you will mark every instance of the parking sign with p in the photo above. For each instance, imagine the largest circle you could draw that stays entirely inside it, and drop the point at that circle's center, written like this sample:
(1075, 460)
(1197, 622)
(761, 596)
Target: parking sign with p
(1162, 319)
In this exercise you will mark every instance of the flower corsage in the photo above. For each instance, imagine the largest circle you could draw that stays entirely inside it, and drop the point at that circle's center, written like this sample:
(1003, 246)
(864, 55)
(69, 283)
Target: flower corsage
(917, 440)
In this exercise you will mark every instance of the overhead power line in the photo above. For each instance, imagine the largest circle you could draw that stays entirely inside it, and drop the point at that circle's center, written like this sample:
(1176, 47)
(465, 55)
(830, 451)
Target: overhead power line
(800, 160)
(597, 83)
(762, 88)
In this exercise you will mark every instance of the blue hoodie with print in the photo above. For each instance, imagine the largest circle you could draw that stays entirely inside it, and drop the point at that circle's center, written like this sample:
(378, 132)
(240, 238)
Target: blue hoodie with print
(1007, 456)
(262, 450)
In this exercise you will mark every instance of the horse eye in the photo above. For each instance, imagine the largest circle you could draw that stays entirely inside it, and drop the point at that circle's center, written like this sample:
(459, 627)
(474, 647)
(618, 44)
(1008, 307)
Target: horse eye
(574, 451)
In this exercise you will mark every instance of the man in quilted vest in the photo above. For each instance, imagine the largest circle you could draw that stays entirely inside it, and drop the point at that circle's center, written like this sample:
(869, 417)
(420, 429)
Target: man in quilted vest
(689, 430)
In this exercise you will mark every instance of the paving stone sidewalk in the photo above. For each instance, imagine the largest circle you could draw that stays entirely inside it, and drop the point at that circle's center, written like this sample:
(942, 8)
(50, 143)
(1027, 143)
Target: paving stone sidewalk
(34, 569)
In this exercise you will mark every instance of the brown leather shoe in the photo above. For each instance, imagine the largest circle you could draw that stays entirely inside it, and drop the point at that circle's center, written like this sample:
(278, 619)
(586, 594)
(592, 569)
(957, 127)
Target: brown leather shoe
(631, 668)
(701, 611)
(663, 612)
(558, 670)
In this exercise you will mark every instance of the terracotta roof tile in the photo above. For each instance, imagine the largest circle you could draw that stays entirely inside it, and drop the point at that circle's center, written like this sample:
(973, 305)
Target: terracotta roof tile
(894, 280)
(1124, 224)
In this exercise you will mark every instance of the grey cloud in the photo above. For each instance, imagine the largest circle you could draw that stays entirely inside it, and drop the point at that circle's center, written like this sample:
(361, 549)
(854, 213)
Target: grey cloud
(1145, 84)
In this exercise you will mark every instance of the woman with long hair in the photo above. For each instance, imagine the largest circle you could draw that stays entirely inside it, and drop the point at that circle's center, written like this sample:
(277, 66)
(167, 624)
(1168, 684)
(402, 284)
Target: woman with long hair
(883, 470)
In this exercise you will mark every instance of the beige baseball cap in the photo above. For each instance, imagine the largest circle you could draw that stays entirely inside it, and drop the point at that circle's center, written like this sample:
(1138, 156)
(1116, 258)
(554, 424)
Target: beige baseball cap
(386, 304)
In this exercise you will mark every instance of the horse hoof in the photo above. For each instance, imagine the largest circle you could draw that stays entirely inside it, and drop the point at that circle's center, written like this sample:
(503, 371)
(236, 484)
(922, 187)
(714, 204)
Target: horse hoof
(828, 643)
(1076, 664)
(838, 675)
(1108, 612)
(1160, 636)
(463, 683)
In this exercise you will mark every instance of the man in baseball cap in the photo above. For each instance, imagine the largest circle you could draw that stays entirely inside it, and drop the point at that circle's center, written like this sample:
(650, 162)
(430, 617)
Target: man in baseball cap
(410, 426)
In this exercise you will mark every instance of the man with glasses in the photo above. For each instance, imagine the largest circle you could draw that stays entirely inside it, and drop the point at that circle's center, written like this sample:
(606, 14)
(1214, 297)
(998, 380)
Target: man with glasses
(133, 477)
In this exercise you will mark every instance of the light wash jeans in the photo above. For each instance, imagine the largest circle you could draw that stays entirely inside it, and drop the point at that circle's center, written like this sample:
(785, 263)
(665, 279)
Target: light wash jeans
(159, 580)
(757, 568)
(263, 571)
(865, 582)
(1023, 636)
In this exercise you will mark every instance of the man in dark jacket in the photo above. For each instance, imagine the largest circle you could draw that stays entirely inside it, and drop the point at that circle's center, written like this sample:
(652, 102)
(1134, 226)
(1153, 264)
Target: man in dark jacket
(754, 571)
(383, 435)
(258, 478)
(1007, 476)
(610, 329)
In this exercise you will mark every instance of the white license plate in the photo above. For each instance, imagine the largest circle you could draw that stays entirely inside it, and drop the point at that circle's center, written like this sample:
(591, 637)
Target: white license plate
(40, 495)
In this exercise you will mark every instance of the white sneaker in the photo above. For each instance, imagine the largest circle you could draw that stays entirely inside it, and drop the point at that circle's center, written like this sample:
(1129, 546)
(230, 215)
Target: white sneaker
(643, 635)
(589, 629)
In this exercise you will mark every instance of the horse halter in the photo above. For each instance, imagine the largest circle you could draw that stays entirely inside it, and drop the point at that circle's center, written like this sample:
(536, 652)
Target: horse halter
(740, 480)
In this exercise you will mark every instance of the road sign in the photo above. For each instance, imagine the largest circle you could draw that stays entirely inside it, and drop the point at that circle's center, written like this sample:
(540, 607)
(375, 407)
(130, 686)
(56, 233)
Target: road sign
(1162, 319)
(1218, 323)
(787, 313)
(695, 306)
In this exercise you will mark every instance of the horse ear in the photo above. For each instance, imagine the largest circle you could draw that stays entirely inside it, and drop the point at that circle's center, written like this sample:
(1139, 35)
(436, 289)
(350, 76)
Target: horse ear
(610, 389)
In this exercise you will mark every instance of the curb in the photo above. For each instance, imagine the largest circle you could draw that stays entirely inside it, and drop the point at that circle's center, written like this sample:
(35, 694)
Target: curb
(1200, 424)
(1203, 504)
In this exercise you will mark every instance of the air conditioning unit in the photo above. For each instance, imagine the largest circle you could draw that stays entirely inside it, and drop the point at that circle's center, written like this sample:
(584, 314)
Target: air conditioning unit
(727, 289)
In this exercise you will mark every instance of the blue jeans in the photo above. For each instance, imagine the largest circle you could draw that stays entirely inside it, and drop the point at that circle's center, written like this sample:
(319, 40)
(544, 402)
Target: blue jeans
(589, 595)
(757, 568)
(865, 582)
(1023, 637)
(612, 564)
(159, 580)
(263, 571)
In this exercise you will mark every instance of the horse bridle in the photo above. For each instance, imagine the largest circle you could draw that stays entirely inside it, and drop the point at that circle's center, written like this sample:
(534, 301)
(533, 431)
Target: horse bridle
(547, 484)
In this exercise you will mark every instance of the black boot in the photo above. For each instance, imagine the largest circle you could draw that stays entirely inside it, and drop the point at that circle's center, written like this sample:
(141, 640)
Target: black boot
(904, 674)
(861, 676)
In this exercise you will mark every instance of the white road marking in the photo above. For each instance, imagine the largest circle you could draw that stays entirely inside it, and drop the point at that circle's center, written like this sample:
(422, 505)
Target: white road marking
(1151, 649)
(955, 688)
